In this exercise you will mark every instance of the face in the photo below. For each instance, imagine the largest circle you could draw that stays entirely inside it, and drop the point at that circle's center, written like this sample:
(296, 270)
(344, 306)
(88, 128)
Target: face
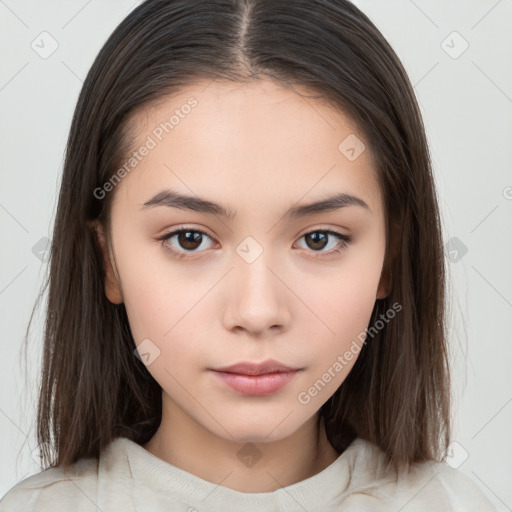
(256, 277)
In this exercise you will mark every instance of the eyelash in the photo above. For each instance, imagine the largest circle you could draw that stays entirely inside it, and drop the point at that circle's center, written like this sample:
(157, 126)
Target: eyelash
(344, 241)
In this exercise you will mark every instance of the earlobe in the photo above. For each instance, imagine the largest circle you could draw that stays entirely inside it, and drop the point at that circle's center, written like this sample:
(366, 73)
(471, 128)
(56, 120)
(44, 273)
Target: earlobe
(384, 288)
(386, 276)
(381, 293)
(112, 288)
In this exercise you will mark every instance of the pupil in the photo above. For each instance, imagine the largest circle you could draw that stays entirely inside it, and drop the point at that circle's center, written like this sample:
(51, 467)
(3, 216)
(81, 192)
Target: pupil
(189, 242)
(315, 239)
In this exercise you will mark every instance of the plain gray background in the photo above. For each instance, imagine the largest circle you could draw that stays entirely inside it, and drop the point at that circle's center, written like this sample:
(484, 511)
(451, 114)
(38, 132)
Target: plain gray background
(459, 58)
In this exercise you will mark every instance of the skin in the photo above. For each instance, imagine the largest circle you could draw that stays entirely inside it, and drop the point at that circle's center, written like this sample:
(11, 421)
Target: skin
(257, 149)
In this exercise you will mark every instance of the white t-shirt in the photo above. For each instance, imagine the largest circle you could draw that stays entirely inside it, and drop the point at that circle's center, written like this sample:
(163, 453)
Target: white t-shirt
(128, 478)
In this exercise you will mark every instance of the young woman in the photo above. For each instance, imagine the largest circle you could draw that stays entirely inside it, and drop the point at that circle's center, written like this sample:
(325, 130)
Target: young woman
(246, 290)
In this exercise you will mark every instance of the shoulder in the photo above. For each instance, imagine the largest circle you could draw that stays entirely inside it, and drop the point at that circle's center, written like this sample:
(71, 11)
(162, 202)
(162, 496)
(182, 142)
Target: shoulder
(436, 482)
(421, 487)
(52, 488)
(73, 487)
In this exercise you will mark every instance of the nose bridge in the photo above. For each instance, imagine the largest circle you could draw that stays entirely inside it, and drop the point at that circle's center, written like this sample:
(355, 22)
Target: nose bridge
(257, 299)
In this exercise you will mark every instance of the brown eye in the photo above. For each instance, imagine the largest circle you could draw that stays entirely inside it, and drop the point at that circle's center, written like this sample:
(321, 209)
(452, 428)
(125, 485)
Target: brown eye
(318, 240)
(183, 241)
(189, 240)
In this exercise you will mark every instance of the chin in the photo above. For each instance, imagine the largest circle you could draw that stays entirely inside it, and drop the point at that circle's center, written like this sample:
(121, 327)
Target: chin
(267, 430)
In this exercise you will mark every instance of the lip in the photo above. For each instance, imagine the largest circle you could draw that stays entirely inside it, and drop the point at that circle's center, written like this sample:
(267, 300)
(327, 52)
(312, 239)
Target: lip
(249, 368)
(256, 385)
(256, 379)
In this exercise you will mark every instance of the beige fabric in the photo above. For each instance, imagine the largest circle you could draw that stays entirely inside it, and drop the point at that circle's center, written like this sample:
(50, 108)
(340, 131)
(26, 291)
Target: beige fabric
(128, 478)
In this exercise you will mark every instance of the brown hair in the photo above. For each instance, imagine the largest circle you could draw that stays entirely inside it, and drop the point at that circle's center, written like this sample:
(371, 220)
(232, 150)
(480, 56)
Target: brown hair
(93, 387)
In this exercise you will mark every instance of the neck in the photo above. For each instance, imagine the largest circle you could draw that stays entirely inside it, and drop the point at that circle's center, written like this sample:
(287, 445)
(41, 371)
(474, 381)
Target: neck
(244, 467)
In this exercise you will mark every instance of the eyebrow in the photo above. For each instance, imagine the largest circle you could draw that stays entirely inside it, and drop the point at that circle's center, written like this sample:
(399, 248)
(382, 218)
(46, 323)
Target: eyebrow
(172, 199)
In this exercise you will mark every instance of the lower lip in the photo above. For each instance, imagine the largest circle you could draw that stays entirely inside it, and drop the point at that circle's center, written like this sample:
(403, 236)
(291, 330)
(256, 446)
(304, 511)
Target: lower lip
(264, 384)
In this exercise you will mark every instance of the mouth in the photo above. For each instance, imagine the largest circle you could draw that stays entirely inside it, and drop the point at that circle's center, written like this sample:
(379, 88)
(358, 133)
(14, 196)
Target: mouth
(269, 366)
(256, 379)
(255, 385)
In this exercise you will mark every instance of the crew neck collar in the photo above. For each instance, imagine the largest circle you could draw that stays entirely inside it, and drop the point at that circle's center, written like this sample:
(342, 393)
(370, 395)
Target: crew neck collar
(315, 492)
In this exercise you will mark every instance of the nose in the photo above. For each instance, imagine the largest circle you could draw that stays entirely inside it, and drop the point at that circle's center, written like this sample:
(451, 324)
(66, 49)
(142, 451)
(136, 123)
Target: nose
(257, 299)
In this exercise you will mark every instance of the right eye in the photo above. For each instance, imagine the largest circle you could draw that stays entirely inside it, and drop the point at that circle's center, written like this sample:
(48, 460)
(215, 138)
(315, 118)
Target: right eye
(186, 240)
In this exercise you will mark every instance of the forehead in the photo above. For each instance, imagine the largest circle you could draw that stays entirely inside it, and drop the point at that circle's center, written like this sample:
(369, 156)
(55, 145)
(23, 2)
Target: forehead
(234, 141)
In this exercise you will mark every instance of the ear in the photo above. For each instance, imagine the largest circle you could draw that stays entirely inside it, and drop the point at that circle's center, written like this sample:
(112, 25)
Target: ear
(386, 276)
(384, 284)
(112, 287)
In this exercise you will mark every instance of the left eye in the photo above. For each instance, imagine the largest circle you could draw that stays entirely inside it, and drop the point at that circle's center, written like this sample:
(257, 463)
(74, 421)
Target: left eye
(189, 240)
(319, 239)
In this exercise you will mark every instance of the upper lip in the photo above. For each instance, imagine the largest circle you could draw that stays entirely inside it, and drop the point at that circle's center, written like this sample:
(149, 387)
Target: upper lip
(248, 368)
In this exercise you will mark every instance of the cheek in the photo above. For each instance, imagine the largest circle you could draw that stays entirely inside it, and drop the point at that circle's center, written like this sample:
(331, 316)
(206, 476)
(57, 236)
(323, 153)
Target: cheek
(343, 305)
(162, 322)
(333, 345)
(165, 305)
(342, 309)
(159, 307)
(175, 308)
(344, 296)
